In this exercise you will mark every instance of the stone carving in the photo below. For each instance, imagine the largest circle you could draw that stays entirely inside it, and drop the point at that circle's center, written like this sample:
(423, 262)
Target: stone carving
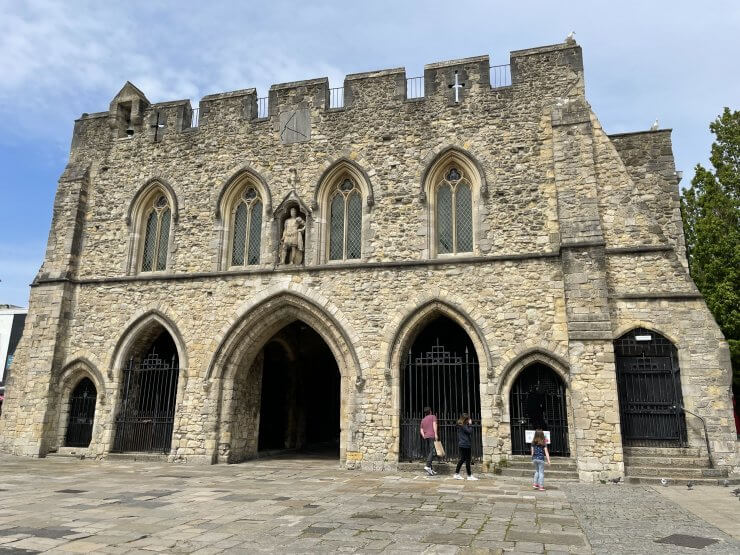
(292, 243)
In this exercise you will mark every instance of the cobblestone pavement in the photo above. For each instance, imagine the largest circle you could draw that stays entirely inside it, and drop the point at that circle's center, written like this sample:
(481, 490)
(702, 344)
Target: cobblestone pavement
(294, 505)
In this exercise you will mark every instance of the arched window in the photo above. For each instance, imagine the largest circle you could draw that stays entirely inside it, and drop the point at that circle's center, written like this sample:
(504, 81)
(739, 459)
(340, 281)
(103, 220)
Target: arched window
(345, 221)
(156, 235)
(454, 213)
(247, 228)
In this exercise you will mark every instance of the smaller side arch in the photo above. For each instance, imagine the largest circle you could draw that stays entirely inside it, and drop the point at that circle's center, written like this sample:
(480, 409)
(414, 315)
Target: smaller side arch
(79, 368)
(69, 377)
(624, 329)
(138, 324)
(445, 155)
(237, 178)
(524, 359)
(144, 192)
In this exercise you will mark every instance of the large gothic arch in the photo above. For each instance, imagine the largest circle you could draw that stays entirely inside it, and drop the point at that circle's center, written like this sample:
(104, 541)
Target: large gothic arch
(241, 346)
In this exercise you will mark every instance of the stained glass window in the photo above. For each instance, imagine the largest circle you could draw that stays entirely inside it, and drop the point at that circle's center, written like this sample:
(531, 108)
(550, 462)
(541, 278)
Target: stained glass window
(156, 236)
(345, 222)
(246, 237)
(454, 213)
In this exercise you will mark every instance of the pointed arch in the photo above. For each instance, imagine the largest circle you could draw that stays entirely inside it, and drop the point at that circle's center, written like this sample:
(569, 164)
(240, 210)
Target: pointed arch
(70, 376)
(259, 321)
(145, 191)
(156, 229)
(79, 368)
(133, 331)
(342, 200)
(413, 321)
(245, 174)
(452, 183)
(525, 358)
(448, 154)
(334, 171)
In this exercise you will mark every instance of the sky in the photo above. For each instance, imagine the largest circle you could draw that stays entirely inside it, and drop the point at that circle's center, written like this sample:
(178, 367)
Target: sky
(677, 61)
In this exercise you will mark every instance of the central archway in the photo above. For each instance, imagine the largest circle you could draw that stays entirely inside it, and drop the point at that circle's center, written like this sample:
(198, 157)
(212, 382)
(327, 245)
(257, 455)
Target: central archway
(299, 394)
(257, 343)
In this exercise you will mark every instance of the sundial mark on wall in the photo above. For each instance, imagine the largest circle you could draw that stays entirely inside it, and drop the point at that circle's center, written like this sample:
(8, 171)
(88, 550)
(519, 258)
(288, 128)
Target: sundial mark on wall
(295, 126)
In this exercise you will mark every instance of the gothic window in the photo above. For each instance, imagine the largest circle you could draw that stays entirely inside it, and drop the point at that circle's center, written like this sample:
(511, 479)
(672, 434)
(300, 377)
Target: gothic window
(345, 221)
(247, 229)
(156, 235)
(454, 213)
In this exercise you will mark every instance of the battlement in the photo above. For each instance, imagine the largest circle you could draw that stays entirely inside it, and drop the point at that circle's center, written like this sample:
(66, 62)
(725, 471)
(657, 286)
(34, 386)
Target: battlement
(299, 104)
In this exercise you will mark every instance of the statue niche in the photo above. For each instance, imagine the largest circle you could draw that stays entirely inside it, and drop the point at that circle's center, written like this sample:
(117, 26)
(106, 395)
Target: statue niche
(291, 229)
(292, 240)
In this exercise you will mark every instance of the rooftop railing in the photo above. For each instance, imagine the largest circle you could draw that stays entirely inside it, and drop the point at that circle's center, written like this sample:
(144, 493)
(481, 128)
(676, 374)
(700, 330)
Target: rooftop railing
(262, 107)
(500, 76)
(336, 97)
(414, 87)
(194, 117)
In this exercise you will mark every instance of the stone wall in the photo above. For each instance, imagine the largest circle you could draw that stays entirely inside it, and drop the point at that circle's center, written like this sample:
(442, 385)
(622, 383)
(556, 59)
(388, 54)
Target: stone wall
(576, 241)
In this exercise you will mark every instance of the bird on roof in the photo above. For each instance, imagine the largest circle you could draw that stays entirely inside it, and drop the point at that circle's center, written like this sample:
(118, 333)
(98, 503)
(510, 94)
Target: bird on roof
(654, 126)
(570, 37)
(615, 480)
(690, 485)
(736, 492)
(664, 481)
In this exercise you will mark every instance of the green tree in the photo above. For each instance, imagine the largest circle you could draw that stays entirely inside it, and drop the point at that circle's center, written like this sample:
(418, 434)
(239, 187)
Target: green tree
(710, 209)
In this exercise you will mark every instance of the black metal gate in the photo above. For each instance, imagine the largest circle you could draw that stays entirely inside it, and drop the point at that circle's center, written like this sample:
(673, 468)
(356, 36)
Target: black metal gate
(148, 394)
(448, 383)
(537, 400)
(81, 414)
(649, 385)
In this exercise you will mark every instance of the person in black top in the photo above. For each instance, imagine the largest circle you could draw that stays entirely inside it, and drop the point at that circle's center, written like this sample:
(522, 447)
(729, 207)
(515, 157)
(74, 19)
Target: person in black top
(464, 442)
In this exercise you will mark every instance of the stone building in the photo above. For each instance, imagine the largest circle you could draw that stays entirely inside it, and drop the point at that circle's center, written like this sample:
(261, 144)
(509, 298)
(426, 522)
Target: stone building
(314, 267)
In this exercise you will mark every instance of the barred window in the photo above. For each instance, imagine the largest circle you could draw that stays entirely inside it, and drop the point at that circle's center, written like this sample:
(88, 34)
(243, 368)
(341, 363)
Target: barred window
(454, 213)
(345, 221)
(156, 236)
(247, 225)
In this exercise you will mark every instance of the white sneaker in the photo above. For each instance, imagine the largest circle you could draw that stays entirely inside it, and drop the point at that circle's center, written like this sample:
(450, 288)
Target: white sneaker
(471, 477)
(429, 471)
(457, 477)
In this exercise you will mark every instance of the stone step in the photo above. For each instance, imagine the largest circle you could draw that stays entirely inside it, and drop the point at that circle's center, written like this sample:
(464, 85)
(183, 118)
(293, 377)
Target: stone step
(664, 452)
(549, 474)
(668, 461)
(651, 480)
(146, 457)
(443, 468)
(674, 472)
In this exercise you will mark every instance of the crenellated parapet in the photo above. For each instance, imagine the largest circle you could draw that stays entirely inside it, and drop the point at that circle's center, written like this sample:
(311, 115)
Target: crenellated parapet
(294, 109)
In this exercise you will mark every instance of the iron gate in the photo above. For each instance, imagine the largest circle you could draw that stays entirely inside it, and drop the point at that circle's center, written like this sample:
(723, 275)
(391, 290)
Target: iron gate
(448, 383)
(81, 414)
(147, 414)
(649, 385)
(538, 400)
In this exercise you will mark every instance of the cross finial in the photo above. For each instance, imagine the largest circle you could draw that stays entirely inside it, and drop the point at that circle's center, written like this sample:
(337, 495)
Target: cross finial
(457, 86)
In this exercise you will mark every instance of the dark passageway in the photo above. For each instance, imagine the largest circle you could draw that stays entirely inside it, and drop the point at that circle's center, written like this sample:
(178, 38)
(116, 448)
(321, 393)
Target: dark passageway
(300, 399)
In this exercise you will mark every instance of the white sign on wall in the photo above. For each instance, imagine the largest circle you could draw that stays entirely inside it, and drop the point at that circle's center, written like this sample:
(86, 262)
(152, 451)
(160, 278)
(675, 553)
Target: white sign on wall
(529, 436)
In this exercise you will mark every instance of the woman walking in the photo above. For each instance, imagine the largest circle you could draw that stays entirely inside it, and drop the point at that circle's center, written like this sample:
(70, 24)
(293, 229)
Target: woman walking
(539, 455)
(464, 438)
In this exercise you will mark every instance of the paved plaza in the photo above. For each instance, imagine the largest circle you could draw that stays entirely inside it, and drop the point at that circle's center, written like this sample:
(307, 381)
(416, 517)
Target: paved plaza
(292, 505)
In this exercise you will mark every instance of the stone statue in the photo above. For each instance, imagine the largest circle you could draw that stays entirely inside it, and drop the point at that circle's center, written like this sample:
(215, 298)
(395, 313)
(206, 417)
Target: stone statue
(291, 250)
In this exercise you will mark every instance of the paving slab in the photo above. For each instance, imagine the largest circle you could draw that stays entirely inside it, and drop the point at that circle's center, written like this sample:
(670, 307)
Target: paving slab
(305, 505)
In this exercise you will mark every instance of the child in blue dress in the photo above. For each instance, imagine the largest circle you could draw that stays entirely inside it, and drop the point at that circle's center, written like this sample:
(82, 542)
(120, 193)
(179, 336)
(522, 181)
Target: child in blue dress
(539, 455)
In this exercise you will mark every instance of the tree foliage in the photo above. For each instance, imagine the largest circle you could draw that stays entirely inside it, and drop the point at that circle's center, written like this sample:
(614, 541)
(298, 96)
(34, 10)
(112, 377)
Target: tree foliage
(711, 219)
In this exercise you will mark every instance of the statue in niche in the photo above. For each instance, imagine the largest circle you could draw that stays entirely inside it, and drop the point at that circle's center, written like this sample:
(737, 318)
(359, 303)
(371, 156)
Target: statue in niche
(292, 244)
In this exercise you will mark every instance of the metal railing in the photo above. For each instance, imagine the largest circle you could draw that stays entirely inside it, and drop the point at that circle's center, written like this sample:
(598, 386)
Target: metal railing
(500, 76)
(336, 97)
(262, 107)
(706, 434)
(414, 87)
(195, 117)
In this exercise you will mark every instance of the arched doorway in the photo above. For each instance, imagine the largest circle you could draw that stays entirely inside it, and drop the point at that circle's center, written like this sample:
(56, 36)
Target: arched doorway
(300, 393)
(538, 400)
(439, 370)
(81, 414)
(649, 386)
(148, 394)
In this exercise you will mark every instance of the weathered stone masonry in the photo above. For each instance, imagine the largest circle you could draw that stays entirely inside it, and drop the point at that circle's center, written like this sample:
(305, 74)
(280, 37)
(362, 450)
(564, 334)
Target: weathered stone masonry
(577, 240)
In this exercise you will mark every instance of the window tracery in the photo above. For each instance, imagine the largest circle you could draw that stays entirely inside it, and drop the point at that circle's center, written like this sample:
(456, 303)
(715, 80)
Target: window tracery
(156, 235)
(345, 221)
(246, 238)
(454, 213)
